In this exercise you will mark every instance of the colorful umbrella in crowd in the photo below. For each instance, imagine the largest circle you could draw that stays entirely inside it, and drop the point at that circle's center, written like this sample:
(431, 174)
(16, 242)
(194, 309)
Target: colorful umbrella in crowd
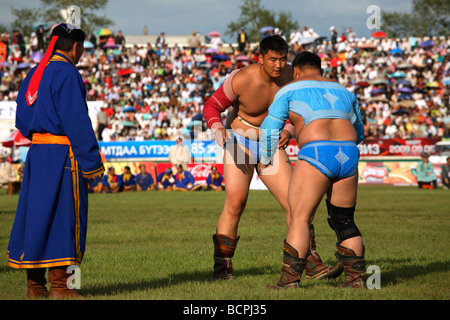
(6, 64)
(379, 82)
(124, 72)
(37, 56)
(367, 46)
(396, 51)
(377, 91)
(129, 109)
(266, 29)
(363, 84)
(405, 90)
(242, 58)
(407, 103)
(23, 65)
(398, 74)
(88, 45)
(379, 34)
(403, 82)
(104, 32)
(110, 44)
(221, 57)
(16, 139)
(426, 44)
(433, 84)
(214, 34)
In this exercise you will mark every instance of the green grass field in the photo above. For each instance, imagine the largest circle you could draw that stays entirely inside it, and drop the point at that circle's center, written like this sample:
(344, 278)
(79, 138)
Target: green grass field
(158, 246)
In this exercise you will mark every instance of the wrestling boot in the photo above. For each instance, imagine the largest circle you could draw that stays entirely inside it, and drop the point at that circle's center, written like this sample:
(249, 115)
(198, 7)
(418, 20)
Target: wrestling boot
(36, 283)
(292, 269)
(354, 267)
(224, 248)
(58, 277)
(315, 268)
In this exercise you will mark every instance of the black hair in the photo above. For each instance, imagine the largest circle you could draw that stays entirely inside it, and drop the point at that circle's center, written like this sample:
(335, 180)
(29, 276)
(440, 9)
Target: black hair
(273, 43)
(307, 59)
(64, 44)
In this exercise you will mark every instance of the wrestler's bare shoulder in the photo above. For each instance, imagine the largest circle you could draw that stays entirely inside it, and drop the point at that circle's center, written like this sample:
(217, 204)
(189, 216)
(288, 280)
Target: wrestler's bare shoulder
(245, 74)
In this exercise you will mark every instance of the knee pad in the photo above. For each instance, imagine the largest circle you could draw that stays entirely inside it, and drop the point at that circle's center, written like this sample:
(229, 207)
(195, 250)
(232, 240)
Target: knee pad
(341, 220)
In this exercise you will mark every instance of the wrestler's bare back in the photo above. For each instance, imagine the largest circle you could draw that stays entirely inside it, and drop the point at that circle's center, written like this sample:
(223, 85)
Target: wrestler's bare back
(321, 129)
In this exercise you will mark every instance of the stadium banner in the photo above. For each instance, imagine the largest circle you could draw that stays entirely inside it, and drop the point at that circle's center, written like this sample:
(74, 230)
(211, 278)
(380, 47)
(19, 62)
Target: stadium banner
(397, 147)
(205, 150)
(155, 150)
(392, 172)
(384, 147)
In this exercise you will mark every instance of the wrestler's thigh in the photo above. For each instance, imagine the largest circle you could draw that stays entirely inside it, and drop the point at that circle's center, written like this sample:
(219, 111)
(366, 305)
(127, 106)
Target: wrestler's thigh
(343, 193)
(237, 175)
(277, 177)
(306, 189)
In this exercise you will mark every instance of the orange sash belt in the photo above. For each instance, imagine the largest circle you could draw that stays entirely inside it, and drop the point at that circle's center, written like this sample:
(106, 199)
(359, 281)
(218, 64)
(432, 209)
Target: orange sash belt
(48, 138)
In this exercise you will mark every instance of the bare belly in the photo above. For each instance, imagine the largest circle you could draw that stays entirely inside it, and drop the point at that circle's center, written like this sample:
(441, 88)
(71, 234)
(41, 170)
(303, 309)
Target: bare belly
(245, 125)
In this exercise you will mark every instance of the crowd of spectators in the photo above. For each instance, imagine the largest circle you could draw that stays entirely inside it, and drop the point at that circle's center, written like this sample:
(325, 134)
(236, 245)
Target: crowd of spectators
(177, 179)
(157, 91)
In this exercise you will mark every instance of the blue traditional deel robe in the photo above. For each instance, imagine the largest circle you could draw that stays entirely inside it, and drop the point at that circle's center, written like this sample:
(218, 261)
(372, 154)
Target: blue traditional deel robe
(182, 181)
(93, 184)
(127, 179)
(51, 219)
(144, 181)
(214, 179)
(164, 180)
(112, 181)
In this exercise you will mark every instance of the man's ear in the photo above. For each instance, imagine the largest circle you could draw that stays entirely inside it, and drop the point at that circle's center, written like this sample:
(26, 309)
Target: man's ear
(260, 58)
(297, 73)
(321, 72)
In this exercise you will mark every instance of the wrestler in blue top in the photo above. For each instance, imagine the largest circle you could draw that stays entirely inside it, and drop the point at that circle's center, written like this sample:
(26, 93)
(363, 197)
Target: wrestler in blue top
(312, 100)
(328, 126)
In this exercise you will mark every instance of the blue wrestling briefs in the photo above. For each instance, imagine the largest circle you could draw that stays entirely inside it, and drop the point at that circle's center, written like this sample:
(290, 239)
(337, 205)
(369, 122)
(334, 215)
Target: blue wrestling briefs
(251, 145)
(335, 159)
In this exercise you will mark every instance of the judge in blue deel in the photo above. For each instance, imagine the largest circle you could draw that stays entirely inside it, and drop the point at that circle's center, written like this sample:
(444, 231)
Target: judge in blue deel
(50, 225)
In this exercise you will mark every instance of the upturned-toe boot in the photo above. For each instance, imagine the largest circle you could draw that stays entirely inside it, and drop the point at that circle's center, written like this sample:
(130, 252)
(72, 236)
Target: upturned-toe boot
(354, 267)
(315, 268)
(224, 247)
(292, 269)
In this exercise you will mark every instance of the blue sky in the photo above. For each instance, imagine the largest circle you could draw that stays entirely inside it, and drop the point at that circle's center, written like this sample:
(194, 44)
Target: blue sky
(183, 16)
